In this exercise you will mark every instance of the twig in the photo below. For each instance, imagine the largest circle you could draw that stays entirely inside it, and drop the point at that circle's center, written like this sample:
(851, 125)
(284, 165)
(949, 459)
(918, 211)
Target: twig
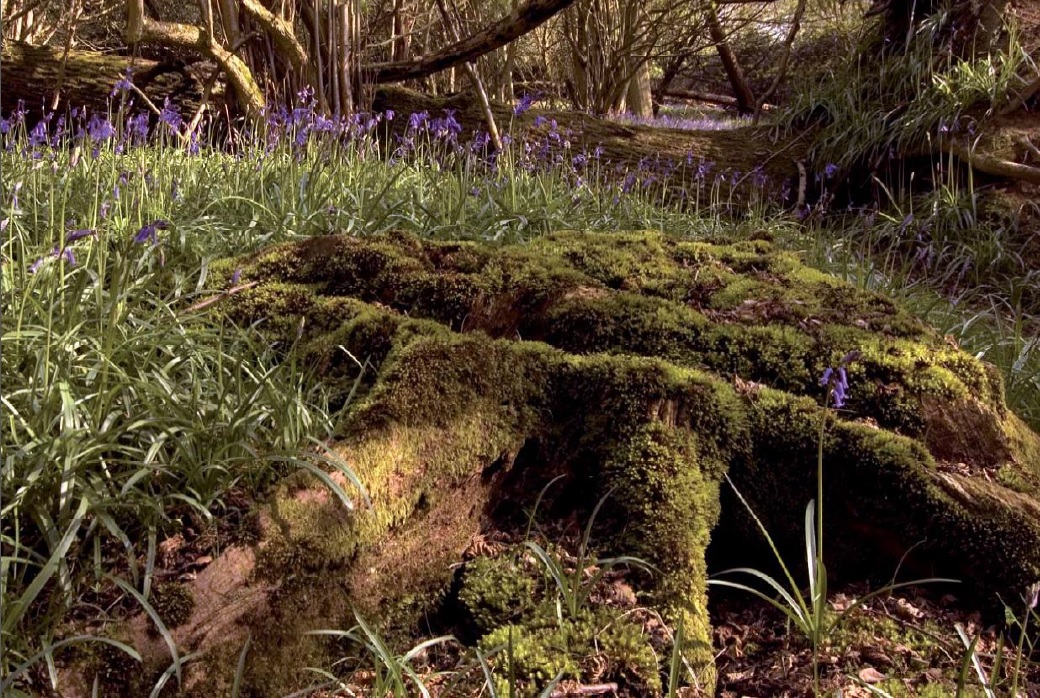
(593, 689)
(219, 297)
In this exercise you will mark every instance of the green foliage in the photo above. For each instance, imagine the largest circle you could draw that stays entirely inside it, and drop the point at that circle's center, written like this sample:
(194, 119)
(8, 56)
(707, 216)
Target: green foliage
(543, 648)
(575, 584)
(807, 613)
(392, 673)
(121, 405)
(880, 101)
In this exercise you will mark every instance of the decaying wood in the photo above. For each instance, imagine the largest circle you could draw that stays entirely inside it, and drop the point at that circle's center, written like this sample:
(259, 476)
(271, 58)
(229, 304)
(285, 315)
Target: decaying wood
(992, 165)
(32, 73)
(708, 98)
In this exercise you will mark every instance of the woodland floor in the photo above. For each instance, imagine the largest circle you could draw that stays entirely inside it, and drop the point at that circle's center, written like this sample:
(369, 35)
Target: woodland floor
(904, 643)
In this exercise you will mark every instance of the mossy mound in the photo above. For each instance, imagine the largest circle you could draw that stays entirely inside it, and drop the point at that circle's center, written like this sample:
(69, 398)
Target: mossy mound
(633, 364)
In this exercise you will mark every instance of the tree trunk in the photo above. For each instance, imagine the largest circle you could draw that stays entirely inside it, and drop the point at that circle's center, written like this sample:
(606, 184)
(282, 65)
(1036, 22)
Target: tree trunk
(640, 100)
(741, 90)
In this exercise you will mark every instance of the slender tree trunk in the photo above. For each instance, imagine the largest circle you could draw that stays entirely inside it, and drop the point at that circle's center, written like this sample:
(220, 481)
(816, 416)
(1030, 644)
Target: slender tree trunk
(741, 90)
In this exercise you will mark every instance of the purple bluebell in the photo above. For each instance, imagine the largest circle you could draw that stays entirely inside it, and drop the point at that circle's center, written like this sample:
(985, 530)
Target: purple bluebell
(830, 170)
(100, 129)
(236, 277)
(417, 120)
(74, 235)
(63, 253)
(524, 104)
(123, 84)
(837, 380)
(137, 128)
(150, 232)
(759, 177)
(38, 136)
(389, 114)
(170, 116)
(59, 132)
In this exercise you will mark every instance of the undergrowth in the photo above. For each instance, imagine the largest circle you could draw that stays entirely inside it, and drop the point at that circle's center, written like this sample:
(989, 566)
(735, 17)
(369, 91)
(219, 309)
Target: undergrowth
(124, 407)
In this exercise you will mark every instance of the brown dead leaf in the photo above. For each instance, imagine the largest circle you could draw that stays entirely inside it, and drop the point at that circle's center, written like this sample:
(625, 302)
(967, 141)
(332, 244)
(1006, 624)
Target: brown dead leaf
(871, 675)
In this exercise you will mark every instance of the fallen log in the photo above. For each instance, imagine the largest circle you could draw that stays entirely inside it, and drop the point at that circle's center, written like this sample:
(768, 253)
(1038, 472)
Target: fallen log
(32, 75)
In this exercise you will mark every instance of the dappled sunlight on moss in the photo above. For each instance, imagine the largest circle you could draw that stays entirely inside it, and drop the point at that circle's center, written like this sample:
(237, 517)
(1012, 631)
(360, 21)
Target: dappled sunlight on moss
(637, 365)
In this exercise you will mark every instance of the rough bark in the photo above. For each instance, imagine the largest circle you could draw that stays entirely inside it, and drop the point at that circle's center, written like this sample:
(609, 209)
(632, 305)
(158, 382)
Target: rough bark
(142, 28)
(638, 97)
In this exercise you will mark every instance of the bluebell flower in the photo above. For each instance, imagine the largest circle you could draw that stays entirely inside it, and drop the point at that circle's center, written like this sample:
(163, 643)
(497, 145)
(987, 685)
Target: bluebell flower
(137, 127)
(390, 114)
(236, 277)
(837, 380)
(150, 232)
(123, 84)
(170, 116)
(59, 132)
(417, 120)
(38, 136)
(100, 129)
(759, 177)
(524, 104)
(74, 235)
(830, 170)
(63, 253)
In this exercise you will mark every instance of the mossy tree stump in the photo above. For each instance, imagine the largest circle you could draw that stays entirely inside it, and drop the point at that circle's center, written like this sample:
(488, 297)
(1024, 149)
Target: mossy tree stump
(634, 364)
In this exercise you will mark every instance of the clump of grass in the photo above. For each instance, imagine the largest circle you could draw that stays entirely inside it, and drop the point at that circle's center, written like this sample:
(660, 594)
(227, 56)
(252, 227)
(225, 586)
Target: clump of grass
(380, 669)
(121, 406)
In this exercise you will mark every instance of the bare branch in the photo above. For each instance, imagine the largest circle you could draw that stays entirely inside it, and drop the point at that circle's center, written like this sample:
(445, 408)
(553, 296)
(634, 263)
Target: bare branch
(521, 20)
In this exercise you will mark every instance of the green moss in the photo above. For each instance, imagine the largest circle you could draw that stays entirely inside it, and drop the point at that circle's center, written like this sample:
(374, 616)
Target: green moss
(173, 602)
(599, 645)
(497, 591)
(629, 388)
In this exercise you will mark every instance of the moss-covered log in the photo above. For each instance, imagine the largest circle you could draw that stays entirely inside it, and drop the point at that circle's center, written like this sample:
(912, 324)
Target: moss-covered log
(32, 74)
(634, 365)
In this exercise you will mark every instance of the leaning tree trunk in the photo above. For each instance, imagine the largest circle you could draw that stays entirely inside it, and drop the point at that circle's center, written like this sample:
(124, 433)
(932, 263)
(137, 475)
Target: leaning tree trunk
(741, 90)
